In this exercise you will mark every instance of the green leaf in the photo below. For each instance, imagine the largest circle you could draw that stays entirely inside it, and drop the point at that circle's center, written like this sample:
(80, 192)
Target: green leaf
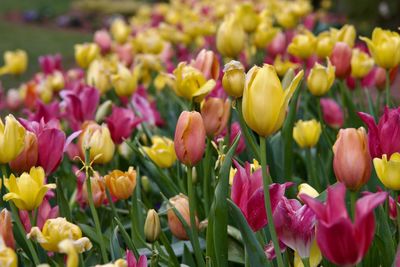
(187, 257)
(235, 251)
(115, 248)
(62, 201)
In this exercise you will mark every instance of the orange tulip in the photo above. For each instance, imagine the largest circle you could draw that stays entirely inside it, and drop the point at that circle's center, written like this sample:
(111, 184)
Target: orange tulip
(181, 204)
(215, 113)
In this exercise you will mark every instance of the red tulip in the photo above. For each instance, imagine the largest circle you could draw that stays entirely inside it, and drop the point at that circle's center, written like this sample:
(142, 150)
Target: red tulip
(332, 113)
(121, 123)
(341, 59)
(341, 241)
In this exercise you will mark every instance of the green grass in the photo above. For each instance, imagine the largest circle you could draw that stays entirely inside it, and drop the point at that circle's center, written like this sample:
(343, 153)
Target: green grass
(54, 7)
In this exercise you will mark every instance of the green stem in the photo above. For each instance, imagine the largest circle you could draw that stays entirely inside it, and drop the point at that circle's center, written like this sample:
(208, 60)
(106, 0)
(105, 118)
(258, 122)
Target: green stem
(164, 240)
(398, 213)
(370, 104)
(192, 213)
(266, 183)
(353, 199)
(306, 262)
(378, 102)
(207, 177)
(388, 88)
(321, 119)
(311, 170)
(93, 208)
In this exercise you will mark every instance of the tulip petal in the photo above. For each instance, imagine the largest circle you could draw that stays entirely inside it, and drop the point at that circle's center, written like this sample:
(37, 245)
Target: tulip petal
(373, 134)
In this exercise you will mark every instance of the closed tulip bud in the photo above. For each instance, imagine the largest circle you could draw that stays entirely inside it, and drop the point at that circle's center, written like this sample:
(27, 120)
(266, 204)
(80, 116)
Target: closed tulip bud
(307, 189)
(121, 184)
(341, 59)
(103, 39)
(287, 18)
(181, 204)
(264, 34)
(234, 78)
(8, 257)
(346, 34)
(98, 139)
(325, 44)
(57, 230)
(230, 37)
(282, 66)
(388, 171)
(6, 228)
(120, 31)
(29, 155)
(98, 76)
(303, 45)
(307, 133)
(384, 47)
(124, 81)
(145, 182)
(352, 160)
(86, 53)
(361, 63)
(189, 138)
(12, 139)
(103, 110)
(162, 151)
(28, 190)
(321, 79)
(152, 228)
(247, 16)
(263, 86)
(215, 113)
(15, 62)
(98, 190)
(332, 113)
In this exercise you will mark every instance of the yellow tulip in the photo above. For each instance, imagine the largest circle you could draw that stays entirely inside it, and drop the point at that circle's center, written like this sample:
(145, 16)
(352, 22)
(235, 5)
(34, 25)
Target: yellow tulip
(86, 53)
(12, 139)
(307, 189)
(265, 101)
(152, 228)
(162, 152)
(303, 45)
(346, 34)
(325, 44)
(264, 34)
(233, 79)
(282, 66)
(28, 190)
(8, 258)
(230, 37)
(307, 133)
(247, 16)
(384, 47)
(124, 81)
(389, 171)
(57, 230)
(320, 79)
(98, 75)
(361, 63)
(15, 62)
(315, 256)
(120, 30)
(149, 42)
(98, 139)
(191, 83)
(286, 18)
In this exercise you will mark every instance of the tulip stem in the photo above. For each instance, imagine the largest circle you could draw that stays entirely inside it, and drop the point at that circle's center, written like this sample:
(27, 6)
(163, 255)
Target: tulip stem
(164, 240)
(192, 213)
(207, 176)
(306, 262)
(398, 213)
(353, 198)
(388, 88)
(266, 183)
(93, 208)
(311, 170)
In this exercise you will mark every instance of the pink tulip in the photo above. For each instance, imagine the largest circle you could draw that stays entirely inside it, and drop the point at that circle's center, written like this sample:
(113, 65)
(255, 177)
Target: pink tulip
(50, 63)
(125, 53)
(383, 138)
(207, 62)
(132, 262)
(341, 58)
(103, 39)
(147, 109)
(45, 212)
(121, 123)
(341, 241)
(235, 130)
(332, 113)
(248, 194)
(269, 249)
(278, 45)
(6, 228)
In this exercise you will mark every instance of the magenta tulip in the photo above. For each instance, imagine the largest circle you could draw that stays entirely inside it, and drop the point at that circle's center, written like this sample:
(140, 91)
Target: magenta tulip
(341, 241)
(235, 130)
(341, 59)
(45, 212)
(50, 63)
(383, 138)
(121, 123)
(332, 113)
(132, 262)
(145, 108)
(45, 112)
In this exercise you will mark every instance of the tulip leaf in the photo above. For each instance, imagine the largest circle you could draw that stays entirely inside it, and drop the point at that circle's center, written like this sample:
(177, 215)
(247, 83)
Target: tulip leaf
(62, 201)
(353, 119)
(116, 252)
(187, 257)
(255, 252)
(384, 237)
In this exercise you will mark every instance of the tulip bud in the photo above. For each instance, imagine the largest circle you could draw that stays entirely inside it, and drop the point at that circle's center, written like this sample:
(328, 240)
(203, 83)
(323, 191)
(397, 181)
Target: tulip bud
(388, 171)
(189, 138)
(307, 189)
(98, 75)
(152, 228)
(12, 139)
(264, 35)
(247, 16)
(103, 39)
(341, 59)
(207, 62)
(332, 113)
(181, 204)
(145, 182)
(307, 133)
(361, 63)
(283, 66)
(124, 81)
(233, 79)
(230, 37)
(103, 110)
(98, 190)
(120, 30)
(162, 152)
(86, 53)
(15, 62)
(215, 113)
(29, 155)
(6, 232)
(320, 79)
(352, 160)
(347, 34)
(121, 184)
(303, 45)
(8, 257)
(278, 44)
(13, 99)
(325, 44)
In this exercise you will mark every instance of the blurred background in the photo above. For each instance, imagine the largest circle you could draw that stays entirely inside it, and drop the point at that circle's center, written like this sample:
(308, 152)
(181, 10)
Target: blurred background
(54, 26)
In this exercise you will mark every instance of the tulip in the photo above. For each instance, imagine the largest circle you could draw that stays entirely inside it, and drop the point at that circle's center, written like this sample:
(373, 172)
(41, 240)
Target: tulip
(384, 47)
(132, 262)
(71, 249)
(215, 113)
(189, 138)
(264, 34)
(303, 45)
(12, 139)
(98, 190)
(248, 194)
(121, 184)
(45, 212)
(282, 66)
(341, 59)
(307, 189)
(191, 83)
(352, 160)
(6, 227)
(230, 37)
(29, 155)
(332, 113)
(247, 16)
(13, 99)
(346, 34)
(103, 39)
(321, 79)
(207, 62)
(234, 78)
(152, 228)
(98, 139)
(235, 130)
(376, 77)
(287, 18)
(121, 123)
(307, 133)
(149, 42)
(124, 81)
(181, 204)
(383, 138)
(120, 31)
(8, 258)
(315, 257)
(325, 44)
(98, 75)
(263, 86)
(388, 171)
(57, 230)
(342, 241)
(278, 44)
(86, 53)
(15, 62)
(162, 151)
(361, 63)
(50, 63)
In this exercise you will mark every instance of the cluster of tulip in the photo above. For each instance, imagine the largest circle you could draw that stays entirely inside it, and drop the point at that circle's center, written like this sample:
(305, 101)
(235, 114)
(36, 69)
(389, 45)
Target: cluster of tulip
(150, 152)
